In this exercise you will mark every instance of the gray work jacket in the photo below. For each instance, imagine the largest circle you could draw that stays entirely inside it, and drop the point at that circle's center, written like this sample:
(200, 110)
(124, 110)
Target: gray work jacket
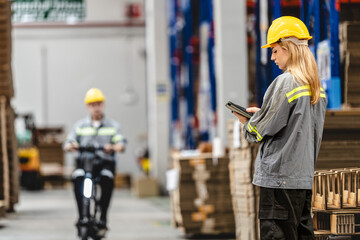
(289, 129)
(84, 133)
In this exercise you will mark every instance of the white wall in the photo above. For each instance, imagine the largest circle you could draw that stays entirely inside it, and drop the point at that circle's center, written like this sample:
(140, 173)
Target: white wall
(54, 67)
(110, 10)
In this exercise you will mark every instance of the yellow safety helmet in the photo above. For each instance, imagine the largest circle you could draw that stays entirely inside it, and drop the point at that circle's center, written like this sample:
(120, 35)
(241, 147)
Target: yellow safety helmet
(286, 26)
(94, 95)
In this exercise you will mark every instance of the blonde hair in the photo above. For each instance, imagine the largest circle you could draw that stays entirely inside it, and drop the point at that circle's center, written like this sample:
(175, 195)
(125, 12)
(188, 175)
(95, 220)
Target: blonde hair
(302, 65)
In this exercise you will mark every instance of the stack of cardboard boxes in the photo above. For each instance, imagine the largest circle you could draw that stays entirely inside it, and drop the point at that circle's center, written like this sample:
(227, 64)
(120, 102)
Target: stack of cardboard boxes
(8, 147)
(244, 194)
(6, 86)
(350, 40)
(201, 204)
(340, 146)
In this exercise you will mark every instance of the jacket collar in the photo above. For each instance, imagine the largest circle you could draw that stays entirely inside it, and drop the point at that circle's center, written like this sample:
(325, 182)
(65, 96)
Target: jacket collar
(103, 120)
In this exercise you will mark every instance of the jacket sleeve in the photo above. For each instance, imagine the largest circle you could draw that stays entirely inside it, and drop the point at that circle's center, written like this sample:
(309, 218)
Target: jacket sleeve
(270, 119)
(72, 137)
(118, 137)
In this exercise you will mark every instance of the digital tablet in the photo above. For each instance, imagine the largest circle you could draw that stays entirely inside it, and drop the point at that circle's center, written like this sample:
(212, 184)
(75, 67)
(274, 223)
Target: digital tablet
(240, 110)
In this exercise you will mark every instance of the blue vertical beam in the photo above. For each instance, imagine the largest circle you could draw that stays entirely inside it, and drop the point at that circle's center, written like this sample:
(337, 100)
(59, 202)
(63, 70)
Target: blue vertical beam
(303, 8)
(334, 38)
(324, 20)
(276, 8)
(174, 61)
(335, 82)
(317, 29)
(258, 75)
(174, 69)
(189, 90)
(276, 13)
(307, 15)
(211, 45)
(306, 11)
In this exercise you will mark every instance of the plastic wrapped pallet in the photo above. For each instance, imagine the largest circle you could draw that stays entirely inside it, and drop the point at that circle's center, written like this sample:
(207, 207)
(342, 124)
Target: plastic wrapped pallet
(201, 204)
(245, 195)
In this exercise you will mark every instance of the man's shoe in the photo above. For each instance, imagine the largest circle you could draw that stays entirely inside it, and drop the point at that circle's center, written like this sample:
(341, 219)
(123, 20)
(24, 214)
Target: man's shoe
(80, 223)
(102, 228)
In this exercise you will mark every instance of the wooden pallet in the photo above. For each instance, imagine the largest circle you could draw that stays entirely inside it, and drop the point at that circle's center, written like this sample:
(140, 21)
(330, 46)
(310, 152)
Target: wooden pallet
(337, 222)
(336, 189)
(326, 190)
(321, 234)
(4, 155)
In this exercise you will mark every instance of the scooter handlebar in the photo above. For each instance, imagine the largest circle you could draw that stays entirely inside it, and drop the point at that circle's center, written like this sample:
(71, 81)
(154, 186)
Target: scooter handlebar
(90, 148)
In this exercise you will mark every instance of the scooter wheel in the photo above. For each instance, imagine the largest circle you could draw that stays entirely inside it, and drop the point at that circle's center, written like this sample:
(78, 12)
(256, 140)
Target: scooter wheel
(83, 233)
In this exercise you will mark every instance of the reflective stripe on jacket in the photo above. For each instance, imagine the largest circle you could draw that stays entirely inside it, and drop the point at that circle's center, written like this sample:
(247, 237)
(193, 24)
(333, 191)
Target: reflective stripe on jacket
(289, 129)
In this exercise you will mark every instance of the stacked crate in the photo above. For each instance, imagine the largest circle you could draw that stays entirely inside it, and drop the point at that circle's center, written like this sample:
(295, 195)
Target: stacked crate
(244, 194)
(350, 39)
(8, 158)
(340, 146)
(201, 204)
(336, 202)
(13, 158)
(6, 86)
(8, 146)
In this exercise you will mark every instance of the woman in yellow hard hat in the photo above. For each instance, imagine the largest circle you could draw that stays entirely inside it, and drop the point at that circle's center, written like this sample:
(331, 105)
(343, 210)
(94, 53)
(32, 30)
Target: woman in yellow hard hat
(289, 128)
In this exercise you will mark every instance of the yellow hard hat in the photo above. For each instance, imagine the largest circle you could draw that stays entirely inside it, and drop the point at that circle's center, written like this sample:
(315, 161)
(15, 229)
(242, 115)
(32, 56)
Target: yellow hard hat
(286, 26)
(94, 95)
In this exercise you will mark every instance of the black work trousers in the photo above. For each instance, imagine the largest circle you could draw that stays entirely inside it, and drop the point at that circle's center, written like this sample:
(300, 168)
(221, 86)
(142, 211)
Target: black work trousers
(106, 183)
(285, 214)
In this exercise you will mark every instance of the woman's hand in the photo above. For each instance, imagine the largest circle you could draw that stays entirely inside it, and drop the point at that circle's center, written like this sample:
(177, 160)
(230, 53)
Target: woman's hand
(243, 119)
(252, 109)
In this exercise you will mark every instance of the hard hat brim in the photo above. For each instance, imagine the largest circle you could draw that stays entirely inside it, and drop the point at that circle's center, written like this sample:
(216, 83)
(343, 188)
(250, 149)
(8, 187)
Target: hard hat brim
(269, 44)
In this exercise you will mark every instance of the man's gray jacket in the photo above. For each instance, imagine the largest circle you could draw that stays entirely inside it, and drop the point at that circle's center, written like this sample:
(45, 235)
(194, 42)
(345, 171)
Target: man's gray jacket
(289, 129)
(85, 134)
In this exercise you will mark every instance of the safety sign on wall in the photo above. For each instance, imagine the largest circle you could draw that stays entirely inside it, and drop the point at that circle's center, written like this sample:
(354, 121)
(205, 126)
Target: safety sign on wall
(48, 10)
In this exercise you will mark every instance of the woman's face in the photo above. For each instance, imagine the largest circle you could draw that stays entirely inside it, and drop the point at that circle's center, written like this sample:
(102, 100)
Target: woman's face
(279, 55)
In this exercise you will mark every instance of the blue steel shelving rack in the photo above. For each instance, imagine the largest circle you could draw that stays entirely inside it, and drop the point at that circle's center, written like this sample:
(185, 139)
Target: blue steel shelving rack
(322, 19)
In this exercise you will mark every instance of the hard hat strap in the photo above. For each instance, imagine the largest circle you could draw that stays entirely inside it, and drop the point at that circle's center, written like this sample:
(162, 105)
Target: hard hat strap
(295, 40)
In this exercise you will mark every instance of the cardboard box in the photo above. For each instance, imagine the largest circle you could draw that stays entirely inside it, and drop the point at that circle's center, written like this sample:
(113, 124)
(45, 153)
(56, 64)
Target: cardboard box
(144, 186)
(201, 204)
(122, 180)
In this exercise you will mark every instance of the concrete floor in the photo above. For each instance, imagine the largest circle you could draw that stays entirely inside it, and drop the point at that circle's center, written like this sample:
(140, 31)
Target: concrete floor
(51, 214)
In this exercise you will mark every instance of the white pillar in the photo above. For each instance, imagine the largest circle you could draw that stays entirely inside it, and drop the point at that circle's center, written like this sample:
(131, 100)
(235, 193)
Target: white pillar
(158, 87)
(230, 58)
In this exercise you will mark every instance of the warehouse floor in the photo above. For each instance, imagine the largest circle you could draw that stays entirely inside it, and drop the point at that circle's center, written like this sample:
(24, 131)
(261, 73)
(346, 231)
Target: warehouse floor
(50, 215)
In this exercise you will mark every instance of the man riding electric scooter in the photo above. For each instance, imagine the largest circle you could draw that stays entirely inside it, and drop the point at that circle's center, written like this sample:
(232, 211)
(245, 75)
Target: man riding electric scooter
(102, 131)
